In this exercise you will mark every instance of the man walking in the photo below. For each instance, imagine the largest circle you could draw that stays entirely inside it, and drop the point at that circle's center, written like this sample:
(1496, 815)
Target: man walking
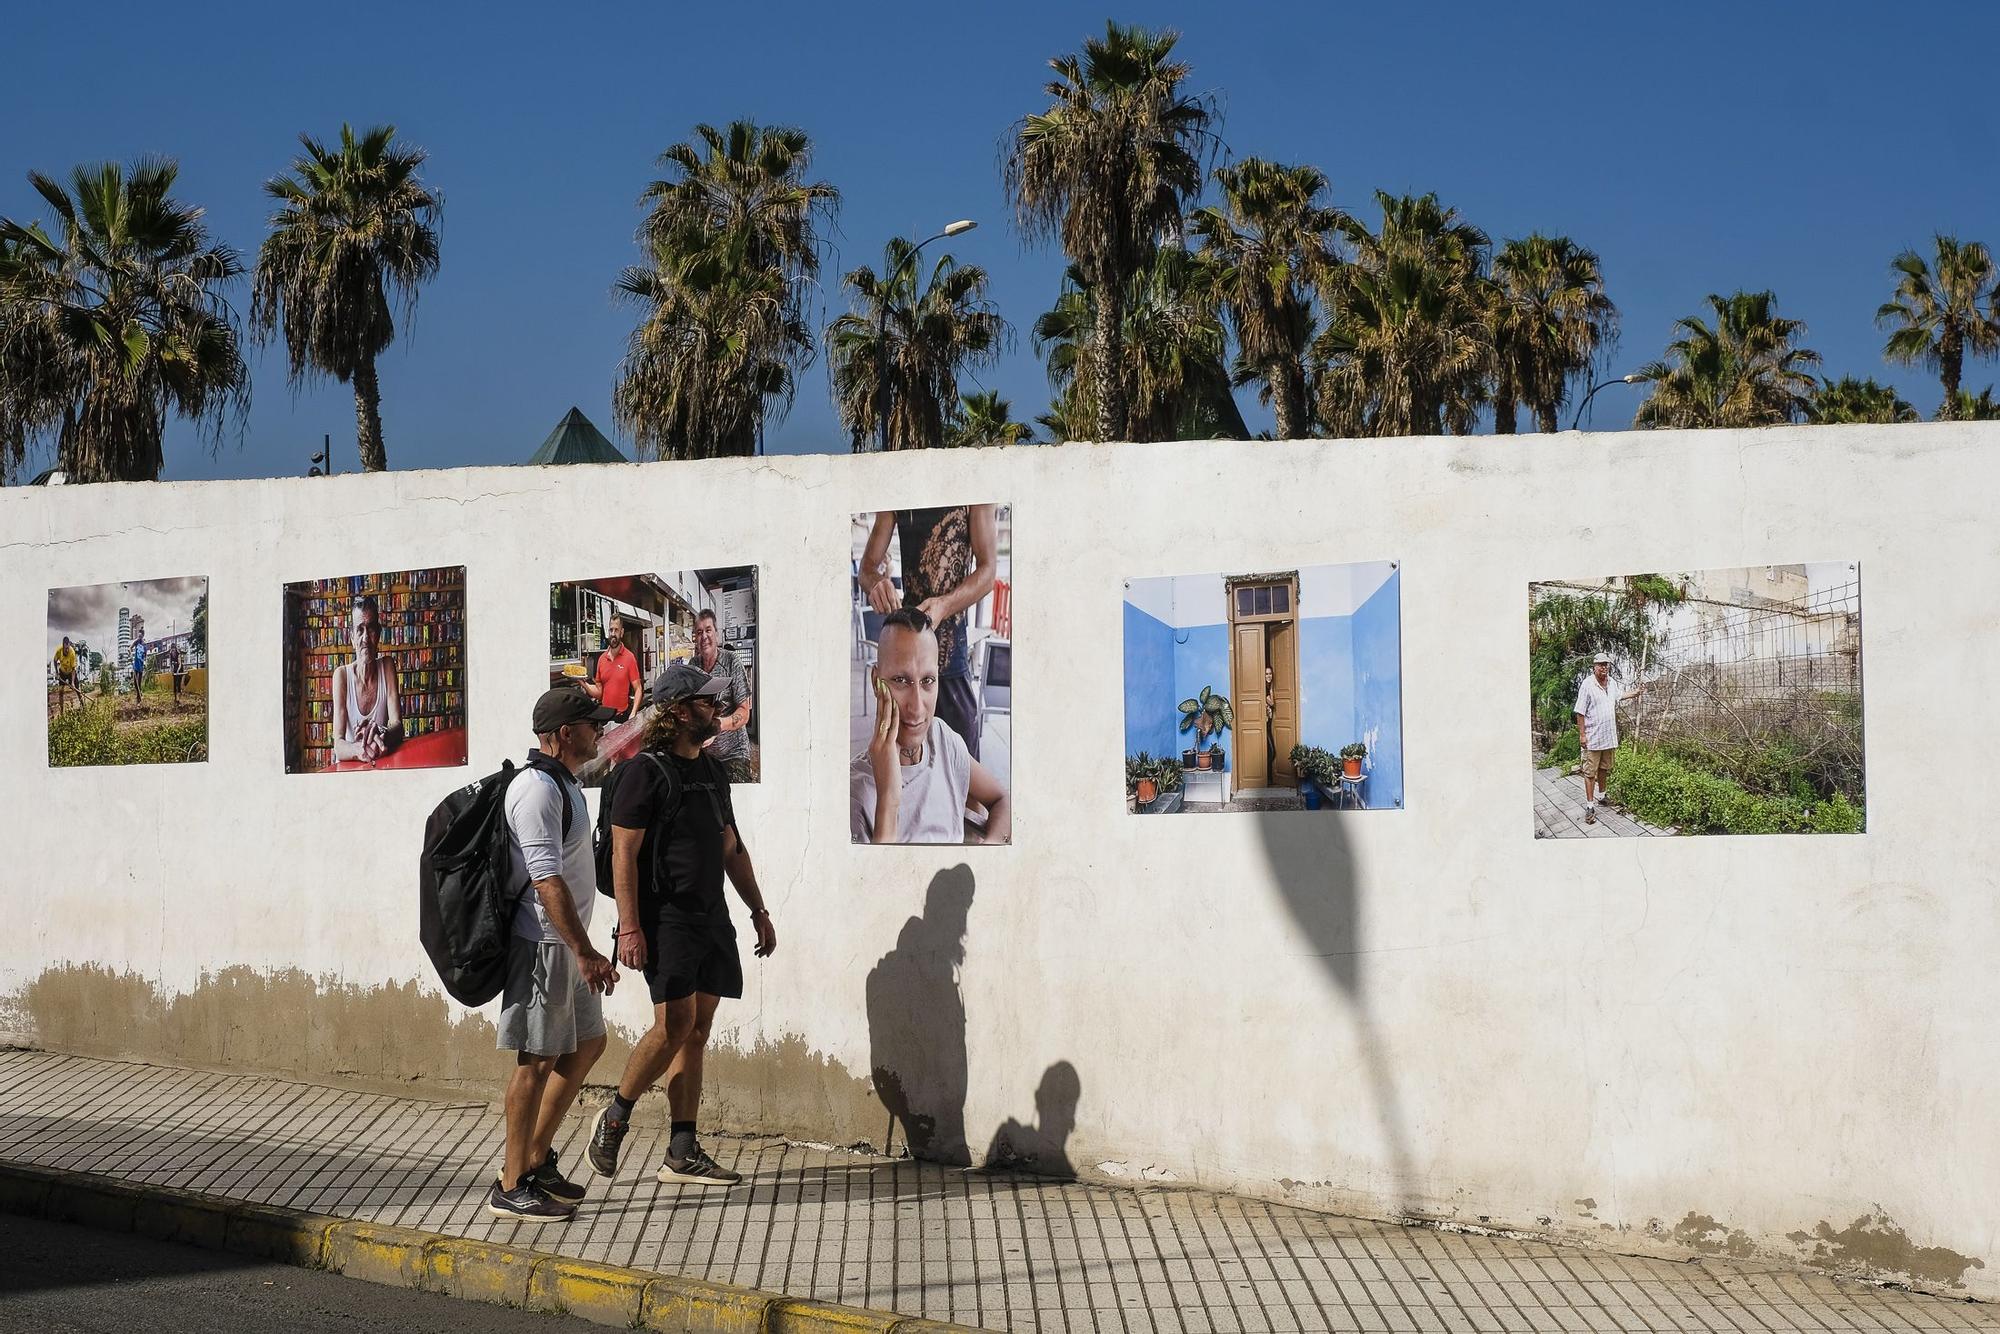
(617, 686)
(673, 838)
(68, 673)
(1597, 701)
(138, 668)
(551, 1016)
(731, 743)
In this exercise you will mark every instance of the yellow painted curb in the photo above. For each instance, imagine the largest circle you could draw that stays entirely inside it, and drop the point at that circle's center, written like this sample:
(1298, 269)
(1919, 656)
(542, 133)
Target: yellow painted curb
(455, 1266)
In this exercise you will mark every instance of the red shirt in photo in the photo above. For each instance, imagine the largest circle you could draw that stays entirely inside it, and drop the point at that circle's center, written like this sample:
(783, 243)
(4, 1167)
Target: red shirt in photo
(617, 672)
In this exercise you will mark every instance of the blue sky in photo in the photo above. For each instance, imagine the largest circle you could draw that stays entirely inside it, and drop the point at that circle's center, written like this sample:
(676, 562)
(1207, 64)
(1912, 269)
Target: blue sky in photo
(1697, 147)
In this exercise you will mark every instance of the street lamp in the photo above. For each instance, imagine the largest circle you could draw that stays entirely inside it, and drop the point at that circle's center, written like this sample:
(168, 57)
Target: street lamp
(882, 324)
(1623, 379)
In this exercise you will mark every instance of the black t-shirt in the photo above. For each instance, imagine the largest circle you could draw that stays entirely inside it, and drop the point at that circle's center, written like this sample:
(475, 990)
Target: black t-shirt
(690, 860)
(937, 558)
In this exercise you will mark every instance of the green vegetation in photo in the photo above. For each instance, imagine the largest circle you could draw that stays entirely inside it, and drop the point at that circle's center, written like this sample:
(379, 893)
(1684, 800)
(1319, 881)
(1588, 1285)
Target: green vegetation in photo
(1665, 789)
(1566, 630)
(112, 728)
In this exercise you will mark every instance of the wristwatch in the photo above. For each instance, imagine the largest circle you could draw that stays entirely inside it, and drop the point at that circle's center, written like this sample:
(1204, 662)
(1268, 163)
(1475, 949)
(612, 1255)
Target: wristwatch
(881, 570)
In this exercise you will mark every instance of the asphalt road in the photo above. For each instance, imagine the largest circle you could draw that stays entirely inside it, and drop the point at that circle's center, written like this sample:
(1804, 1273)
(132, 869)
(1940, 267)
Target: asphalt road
(59, 1279)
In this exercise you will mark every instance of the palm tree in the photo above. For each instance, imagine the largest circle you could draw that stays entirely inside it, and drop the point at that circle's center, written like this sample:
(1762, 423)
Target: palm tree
(1108, 169)
(985, 418)
(1552, 323)
(731, 243)
(111, 319)
(927, 340)
(1746, 370)
(1409, 344)
(1848, 401)
(1935, 318)
(1272, 241)
(1172, 353)
(355, 232)
(1980, 407)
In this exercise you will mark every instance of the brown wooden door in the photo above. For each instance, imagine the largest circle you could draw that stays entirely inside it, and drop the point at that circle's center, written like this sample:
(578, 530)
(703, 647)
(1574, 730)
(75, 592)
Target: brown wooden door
(1246, 699)
(1282, 648)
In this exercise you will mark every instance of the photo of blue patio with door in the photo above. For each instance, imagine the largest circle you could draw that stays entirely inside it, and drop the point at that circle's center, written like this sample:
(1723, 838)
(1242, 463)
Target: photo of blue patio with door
(1265, 691)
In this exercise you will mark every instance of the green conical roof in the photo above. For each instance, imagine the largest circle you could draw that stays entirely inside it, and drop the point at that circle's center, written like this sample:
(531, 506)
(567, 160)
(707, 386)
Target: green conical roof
(575, 440)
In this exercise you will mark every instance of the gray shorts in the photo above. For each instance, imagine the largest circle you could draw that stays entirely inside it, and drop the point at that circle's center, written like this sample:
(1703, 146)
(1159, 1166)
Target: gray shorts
(547, 1008)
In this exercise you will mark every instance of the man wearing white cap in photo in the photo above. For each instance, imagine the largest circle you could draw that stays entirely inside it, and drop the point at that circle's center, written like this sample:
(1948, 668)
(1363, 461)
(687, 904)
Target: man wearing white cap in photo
(1597, 729)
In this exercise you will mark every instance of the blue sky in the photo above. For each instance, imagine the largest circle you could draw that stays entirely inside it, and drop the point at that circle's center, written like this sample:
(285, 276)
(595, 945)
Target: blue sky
(1697, 147)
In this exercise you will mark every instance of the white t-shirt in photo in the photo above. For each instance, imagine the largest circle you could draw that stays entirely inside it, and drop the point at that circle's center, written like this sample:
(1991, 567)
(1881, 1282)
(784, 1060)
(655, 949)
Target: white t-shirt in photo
(1599, 706)
(931, 808)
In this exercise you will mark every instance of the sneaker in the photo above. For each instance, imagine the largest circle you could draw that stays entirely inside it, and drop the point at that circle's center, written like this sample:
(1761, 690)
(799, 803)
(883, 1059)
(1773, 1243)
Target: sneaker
(1590, 815)
(697, 1169)
(526, 1203)
(554, 1184)
(605, 1137)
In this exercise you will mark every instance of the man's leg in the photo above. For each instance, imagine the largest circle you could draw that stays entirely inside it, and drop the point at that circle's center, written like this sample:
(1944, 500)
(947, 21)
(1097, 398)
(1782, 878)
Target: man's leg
(684, 1075)
(650, 1057)
(524, 1096)
(565, 1079)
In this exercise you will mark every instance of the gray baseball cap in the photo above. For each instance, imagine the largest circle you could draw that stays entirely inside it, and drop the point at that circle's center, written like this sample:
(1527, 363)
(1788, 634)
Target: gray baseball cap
(683, 680)
(1604, 658)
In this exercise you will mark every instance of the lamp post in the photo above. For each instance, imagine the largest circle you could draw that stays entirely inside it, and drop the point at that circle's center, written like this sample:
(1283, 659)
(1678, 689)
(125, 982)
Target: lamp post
(1623, 379)
(882, 325)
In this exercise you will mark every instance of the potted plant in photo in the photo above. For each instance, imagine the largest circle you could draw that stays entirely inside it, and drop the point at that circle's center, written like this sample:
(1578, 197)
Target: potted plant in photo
(1140, 781)
(1303, 765)
(1351, 756)
(1167, 775)
(1207, 715)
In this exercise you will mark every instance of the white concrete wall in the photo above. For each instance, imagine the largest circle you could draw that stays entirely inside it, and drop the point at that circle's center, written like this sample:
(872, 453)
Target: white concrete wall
(1720, 1042)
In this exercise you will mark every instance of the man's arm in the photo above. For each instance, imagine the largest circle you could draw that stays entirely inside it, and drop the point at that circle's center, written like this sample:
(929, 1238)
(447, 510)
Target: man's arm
(986, 790)
(878, 588)
(625, 844)
(985, 554)
(638, 698)
(556, 902)
(736, 864)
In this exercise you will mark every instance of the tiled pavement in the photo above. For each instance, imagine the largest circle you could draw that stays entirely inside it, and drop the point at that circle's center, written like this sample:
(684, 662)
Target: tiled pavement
(994, 1250)
(1559, 811)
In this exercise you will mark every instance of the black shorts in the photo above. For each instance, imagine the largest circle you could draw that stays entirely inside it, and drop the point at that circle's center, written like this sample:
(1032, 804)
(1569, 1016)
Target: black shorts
(682, 960)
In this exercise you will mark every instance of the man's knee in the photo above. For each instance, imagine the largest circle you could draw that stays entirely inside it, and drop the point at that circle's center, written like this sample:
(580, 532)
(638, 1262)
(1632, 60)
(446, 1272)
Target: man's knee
(588, 1050)
(674, 1020)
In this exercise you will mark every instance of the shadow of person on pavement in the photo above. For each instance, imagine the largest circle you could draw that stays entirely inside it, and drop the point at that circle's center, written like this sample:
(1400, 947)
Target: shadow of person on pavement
(916, 1025)
(1041, 1148)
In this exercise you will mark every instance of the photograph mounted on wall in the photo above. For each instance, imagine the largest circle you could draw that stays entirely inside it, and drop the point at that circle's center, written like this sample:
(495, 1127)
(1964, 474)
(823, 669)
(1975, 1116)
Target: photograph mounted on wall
(1272, 691)
(375, 671)
(127, 673)
(932, 680)
(1708, 702)
(611, 637)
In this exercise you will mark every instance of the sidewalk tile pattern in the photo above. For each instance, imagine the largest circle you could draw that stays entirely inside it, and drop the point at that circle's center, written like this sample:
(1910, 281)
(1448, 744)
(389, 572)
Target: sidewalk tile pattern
(992, 1250)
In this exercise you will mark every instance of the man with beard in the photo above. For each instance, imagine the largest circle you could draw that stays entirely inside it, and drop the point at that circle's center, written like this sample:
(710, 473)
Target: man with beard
(673, 839)
(730, 744)
(617, 686)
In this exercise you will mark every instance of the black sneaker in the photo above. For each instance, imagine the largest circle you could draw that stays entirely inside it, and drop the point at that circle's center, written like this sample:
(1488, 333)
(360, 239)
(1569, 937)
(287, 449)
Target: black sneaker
(554, 1184)
(526, 1203)
(605, 1137)
(697, 1169)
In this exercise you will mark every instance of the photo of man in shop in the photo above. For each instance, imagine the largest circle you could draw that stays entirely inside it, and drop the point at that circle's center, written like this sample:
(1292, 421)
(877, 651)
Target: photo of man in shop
(917, 778)
(731, 743)
(617, 686)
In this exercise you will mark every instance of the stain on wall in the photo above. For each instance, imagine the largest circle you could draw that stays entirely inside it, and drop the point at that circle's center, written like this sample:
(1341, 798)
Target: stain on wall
(1699, 1232)
(1875, 1246)
(786, 1088)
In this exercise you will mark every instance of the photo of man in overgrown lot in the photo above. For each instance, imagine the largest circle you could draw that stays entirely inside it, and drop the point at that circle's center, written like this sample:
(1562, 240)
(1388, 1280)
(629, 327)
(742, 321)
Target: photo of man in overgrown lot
(1715, 702)
(128, 673)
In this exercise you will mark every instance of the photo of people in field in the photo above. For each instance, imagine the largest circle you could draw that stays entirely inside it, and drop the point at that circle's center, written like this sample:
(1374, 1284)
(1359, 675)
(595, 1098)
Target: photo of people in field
(1722, 701)
(127, 673)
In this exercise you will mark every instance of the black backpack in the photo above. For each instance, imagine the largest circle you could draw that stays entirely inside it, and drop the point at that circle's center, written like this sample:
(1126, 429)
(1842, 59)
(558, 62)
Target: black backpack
(655, 837)
(465, 903)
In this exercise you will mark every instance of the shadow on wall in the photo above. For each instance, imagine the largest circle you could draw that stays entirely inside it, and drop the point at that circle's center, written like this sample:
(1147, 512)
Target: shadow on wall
(1312, 862)
(1042, 1148)
(916, 1025)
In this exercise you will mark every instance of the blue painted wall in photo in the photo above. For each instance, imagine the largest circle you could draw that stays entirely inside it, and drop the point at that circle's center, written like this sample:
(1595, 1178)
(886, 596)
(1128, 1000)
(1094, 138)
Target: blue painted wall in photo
(1378, 690)
(1201, 658)
(1149, 683)
(1326, 682)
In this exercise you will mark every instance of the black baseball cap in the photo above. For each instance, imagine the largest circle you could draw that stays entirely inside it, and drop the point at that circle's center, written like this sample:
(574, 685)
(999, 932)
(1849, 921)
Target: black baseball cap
(567, 704)
(683, 680)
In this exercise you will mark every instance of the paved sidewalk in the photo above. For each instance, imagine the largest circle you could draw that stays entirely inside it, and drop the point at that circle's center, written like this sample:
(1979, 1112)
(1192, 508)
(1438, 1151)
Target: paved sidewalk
(994, 1250)
(1559, 811)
